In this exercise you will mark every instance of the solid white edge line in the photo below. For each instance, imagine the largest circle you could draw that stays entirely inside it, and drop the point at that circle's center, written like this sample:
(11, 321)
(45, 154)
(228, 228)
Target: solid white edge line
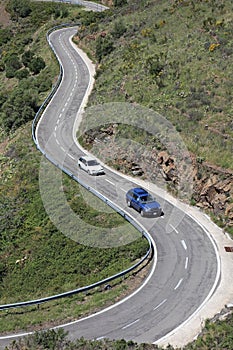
(212, 240)
(12, 336)
(104, 310)
(121, 301)
(91, 82)
(169, 201)
(99, 338)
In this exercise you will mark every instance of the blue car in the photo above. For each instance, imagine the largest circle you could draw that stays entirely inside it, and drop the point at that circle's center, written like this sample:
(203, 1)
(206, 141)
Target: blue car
(143, 202)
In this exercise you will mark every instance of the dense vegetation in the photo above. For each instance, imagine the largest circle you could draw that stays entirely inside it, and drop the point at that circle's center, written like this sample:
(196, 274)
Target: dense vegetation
(180, 68)
(36, 260)
(174, 57)
(216, 335)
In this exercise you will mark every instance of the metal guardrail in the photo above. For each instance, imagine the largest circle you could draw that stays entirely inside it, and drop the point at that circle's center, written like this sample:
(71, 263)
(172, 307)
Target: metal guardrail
(90, 189)
(75, 291)
(55, 87)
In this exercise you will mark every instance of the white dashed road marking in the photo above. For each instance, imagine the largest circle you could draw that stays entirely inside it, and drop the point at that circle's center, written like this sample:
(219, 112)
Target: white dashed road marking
(160, 304)
(122, 189)
(130, 324)
(174, 228)
(178, 284)
(184, 244)
(71, 156)
(112, 183)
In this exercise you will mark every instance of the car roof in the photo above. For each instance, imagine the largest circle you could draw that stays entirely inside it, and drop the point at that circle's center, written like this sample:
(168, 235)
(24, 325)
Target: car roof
(139, 191)
(88, 158)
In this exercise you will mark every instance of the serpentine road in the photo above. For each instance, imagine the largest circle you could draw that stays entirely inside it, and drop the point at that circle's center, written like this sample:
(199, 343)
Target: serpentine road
(186, 272)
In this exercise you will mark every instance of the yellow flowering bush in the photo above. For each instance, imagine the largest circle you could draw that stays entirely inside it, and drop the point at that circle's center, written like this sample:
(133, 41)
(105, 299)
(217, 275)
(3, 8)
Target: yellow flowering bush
(212, 47)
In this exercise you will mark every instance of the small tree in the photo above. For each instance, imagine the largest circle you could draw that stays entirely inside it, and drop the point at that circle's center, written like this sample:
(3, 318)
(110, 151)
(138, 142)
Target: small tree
(50, 339)
(118, 3)
(36, 65)
(118, 29)
(5, 36)
(20, 107)
(22, 74)
(19, 8)
(27, 57)
(12, 64)
(154, 65)
(104, 46)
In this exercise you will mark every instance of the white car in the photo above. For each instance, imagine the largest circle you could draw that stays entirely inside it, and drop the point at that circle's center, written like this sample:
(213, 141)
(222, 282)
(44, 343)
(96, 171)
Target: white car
(90, 165)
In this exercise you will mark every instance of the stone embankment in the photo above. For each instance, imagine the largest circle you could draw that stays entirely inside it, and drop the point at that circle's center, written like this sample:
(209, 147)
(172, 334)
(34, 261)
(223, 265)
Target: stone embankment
(212, 186)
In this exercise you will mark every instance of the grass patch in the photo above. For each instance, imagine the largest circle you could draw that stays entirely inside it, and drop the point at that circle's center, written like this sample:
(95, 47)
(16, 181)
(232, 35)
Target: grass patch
(175, 58)
(53, 263)
(67, 309)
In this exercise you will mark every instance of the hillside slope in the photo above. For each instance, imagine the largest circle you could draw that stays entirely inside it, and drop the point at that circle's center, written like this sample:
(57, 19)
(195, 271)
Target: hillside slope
(176, 58)
(20, 159)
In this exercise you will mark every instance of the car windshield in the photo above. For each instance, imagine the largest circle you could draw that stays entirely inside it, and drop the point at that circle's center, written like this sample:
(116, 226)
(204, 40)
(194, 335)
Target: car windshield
(147, 198)
(92, 162)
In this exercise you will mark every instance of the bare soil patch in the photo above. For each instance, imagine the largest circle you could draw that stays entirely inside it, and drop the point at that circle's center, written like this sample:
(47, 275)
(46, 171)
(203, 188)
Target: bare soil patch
(5, 20)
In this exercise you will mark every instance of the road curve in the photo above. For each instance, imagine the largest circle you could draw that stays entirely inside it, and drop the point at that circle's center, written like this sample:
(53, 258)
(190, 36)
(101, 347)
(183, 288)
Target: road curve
(187, 269)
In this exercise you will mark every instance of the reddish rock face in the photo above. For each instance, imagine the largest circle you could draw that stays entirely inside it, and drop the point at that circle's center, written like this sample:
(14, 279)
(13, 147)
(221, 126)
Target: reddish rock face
(214, 191)
(212, 186)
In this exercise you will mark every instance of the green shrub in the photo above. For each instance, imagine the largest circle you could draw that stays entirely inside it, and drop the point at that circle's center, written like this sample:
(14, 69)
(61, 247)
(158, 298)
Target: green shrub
(5, 35)
(22, 74)
(104, 46)
(19, 108)
(36, 65)
(119, 29)
(19, 8)
(12, 64)
(119, 3)
(27, 57)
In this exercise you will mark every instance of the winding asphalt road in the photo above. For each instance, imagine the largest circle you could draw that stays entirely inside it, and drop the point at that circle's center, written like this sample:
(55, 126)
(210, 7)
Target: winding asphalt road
(187, 270)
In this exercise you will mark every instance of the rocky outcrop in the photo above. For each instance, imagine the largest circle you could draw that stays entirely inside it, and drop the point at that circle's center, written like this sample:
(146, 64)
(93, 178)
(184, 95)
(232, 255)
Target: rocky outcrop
(212, 187)
(214, 192)
(168, 166)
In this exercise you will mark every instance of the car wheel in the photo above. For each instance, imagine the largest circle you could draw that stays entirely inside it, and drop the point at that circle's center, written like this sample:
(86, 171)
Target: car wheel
(128, 203)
